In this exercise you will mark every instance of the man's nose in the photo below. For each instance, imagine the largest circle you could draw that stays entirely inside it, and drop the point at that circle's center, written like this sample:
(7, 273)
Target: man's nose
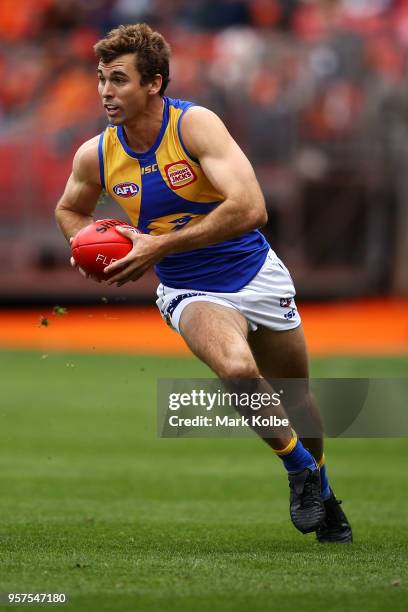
(107, 90)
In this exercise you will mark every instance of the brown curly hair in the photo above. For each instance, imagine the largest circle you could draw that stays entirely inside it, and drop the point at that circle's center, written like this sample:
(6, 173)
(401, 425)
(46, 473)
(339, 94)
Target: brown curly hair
(152, 52)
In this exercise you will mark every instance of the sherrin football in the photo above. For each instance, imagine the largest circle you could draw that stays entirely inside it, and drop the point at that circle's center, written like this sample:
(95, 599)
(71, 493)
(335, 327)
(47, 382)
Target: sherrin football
(99, 244)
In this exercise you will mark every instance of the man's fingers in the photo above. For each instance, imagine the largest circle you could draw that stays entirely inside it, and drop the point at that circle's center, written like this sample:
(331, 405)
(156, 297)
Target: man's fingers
(83, 273)
(117, 265)
(133, 235)
(121, 276)
(80, 270)
(133, 278)
(130, 232)
(127, 275)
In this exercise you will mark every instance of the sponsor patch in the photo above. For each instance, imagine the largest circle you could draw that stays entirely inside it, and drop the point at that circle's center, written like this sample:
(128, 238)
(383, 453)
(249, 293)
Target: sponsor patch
(126, 190)
(180, 174)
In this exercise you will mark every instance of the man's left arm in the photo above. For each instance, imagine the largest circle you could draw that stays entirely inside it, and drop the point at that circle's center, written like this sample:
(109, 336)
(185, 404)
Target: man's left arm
(230, 173)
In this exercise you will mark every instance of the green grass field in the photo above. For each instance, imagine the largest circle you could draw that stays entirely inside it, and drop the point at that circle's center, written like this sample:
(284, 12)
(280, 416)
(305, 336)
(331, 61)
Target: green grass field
(94, 504)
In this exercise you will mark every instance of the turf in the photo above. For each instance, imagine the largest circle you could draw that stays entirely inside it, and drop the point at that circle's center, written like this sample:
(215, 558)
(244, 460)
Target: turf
(94, 504)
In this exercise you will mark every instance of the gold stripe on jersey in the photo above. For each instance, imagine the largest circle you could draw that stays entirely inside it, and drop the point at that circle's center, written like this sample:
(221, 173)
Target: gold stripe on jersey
(120, 168)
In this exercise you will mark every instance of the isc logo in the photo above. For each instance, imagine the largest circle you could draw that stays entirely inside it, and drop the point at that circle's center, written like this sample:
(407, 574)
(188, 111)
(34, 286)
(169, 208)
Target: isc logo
(149, 169)
(290, 315)
(126, 190)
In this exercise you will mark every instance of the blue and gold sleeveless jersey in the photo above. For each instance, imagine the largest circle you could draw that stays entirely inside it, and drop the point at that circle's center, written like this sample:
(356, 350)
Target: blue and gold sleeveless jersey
(163, 190)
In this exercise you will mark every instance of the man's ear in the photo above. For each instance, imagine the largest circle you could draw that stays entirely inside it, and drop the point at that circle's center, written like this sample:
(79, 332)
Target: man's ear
(155, 85)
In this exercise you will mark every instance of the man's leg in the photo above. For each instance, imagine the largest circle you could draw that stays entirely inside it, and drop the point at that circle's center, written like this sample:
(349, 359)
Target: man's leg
(283, 354)
(218, 336)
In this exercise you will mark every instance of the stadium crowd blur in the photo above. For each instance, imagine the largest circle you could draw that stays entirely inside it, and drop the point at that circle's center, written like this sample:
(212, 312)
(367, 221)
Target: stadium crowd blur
(315, 92)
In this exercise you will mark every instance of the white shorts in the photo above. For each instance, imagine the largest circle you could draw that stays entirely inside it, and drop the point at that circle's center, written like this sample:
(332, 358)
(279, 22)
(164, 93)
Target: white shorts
(268, 299)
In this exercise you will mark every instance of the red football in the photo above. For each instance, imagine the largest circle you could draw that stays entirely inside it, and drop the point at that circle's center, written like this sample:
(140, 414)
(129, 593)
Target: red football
(99, 244)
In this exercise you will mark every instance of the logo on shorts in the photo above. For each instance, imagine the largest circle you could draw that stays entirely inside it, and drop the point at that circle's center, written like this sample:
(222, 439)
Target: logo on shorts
(126, 190)
(285, 302)
(180, 174)
(290, 315)
(172, 305)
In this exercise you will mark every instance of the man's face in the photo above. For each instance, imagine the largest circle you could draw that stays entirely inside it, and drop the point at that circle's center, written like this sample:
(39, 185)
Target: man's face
(119, 87)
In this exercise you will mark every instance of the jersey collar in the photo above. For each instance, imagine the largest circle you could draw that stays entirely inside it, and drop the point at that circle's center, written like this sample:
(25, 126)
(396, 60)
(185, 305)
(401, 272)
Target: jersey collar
(155, 145)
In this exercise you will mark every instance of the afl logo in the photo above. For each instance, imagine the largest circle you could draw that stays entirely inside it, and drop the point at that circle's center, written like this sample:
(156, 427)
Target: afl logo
(126, 190)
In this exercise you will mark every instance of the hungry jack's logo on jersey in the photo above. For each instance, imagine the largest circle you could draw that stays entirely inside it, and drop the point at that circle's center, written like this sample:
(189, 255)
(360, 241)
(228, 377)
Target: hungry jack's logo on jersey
(180, 174)
(126, 190)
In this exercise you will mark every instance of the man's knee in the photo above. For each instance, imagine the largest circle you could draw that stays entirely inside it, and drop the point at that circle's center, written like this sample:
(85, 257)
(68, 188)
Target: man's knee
(238, 366)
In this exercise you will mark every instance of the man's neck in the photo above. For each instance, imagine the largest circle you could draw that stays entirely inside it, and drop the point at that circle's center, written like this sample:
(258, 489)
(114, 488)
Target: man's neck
(141, 132)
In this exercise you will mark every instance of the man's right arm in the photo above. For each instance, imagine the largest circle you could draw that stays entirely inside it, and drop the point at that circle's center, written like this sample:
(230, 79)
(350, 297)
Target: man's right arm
(78, 202)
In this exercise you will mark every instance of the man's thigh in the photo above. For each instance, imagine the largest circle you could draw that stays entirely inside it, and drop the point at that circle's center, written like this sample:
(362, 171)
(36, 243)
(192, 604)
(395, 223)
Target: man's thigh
(280, 354)
(218, 336)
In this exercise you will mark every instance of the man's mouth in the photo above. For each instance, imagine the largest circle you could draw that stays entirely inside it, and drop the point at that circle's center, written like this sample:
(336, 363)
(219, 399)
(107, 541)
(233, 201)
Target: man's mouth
(111, 109)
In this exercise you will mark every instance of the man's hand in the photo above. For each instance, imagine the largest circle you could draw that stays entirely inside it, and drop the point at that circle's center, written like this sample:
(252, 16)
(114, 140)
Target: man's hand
(80, 270)
(147, 250)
